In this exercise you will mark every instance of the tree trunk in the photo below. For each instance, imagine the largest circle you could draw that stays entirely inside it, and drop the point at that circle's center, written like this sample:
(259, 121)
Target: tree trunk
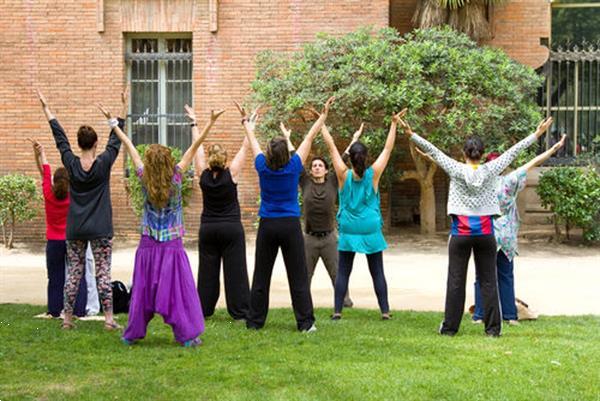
(427, 206)
(4, 241)
(11, 231)
(424, 173)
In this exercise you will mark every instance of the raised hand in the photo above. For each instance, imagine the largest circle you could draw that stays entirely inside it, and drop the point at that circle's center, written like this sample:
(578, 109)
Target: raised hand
(404, 125)
(358, 133)
(241, 109)
(42, 98)
(37, 147)
(328, 104)
(286, 132)
(104, 111)
(558, 144)
(398, 116)
(253, 119)
(214, 115)
(190, 113)
(543, 126)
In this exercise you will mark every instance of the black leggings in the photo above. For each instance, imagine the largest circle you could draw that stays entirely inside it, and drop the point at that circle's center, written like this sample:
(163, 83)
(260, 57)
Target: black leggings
(375, 261)
(284, 233)
(459, 252)
(226, 241)
(56, 253)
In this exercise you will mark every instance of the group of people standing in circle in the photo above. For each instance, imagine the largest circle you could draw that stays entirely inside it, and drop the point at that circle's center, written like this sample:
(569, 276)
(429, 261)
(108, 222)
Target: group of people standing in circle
(162, 279)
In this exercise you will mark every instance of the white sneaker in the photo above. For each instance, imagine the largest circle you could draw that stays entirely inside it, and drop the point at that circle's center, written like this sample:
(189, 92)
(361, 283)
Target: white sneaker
(477, 321)
(312, 329)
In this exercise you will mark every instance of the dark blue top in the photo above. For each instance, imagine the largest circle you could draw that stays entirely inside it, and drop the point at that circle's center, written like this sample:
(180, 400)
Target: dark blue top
(279, 188)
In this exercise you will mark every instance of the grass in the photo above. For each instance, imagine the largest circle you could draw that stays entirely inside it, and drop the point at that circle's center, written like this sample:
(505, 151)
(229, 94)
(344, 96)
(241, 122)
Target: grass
(358, 358)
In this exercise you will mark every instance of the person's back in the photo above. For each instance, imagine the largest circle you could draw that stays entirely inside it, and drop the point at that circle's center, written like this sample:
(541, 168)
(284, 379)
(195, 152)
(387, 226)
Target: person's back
(220, 197)
(279, 188)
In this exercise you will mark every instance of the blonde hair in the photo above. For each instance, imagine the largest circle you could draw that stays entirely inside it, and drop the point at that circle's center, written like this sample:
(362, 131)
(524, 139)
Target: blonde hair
(217, 157)
(159, 167)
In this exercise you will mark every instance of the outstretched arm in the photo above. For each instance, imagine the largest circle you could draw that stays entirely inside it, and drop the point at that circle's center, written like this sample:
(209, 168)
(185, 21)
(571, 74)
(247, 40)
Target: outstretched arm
(338, 164)
(249, 124)
(237, 163)
(304, 148)
(448, 164)
(384, 156)
(287, 133)
(200, 156)
(193, 149)
(131, 150)
(39, 154)
(541, 158)
(45, 106)
(60, 138)
(498, 165)
(355, 139)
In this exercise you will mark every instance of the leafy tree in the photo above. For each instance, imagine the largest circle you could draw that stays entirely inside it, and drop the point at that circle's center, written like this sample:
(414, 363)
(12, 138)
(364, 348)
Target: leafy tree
(573, 196)
(19, 201)
(134, 187)
(452, 87)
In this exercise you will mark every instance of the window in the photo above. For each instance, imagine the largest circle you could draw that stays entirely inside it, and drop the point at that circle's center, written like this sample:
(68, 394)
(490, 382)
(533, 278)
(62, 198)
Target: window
(160, 75)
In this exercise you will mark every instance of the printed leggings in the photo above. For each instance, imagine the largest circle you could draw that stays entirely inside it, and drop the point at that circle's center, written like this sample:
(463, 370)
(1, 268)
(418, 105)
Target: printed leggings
(102, 250)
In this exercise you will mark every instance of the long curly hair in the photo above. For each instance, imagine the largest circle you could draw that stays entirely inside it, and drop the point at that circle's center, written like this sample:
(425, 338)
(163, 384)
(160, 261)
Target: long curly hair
(159, 166)
(60, 183)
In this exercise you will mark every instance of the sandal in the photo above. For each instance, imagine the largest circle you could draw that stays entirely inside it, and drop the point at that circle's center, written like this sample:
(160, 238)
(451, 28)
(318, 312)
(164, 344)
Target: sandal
(67, 325)
(112, 326)
(336, 316)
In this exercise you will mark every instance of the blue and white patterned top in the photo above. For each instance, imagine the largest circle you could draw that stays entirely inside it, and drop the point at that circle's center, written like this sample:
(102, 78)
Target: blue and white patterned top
(506, 226)
(164, 224)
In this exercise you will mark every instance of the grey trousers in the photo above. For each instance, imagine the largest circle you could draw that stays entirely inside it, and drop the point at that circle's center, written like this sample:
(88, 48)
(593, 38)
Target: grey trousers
(326, 249)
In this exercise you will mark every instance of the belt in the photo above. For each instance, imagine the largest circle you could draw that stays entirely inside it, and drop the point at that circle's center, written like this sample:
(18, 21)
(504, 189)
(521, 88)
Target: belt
(319, 234)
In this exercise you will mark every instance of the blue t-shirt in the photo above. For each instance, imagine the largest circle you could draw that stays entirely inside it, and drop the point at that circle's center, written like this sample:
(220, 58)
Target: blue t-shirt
(279, 189)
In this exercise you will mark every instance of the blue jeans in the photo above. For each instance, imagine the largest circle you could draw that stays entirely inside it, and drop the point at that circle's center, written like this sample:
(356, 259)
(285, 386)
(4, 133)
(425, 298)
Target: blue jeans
(506, 289)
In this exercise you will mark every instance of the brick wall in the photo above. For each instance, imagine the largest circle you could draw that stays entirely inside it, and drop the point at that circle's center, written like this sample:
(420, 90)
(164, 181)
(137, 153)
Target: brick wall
(56, 47)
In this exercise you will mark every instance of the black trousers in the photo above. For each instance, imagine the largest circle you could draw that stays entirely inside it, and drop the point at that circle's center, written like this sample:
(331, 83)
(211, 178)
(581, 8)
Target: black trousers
(284, 233)
(223, 241)
(56, 254)
(459, 252)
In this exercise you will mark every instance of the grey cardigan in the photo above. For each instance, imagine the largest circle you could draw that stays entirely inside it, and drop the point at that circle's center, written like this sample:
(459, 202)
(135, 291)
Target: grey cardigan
(473, 191)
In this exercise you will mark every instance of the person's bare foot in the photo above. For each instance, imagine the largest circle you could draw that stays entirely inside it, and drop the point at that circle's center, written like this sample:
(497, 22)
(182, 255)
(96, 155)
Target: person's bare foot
(386, 316)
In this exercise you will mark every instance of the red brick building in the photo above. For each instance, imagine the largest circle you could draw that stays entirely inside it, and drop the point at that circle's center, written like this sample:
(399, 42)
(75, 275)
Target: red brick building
(80, 52)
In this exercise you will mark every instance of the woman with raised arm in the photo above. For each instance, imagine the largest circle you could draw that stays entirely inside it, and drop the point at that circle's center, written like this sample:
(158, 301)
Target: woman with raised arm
(56, 205)
(279, 226)
(359, 216)
(90, 211)
(221, 236)
(162, 277)
(472, 205)
(506, 230)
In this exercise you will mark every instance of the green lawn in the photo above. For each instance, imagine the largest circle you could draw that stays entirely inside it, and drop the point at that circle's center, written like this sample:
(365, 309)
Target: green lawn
(358, 358)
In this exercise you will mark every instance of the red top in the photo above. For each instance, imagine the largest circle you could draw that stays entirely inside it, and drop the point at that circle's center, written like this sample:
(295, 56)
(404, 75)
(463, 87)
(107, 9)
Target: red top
(56, 209)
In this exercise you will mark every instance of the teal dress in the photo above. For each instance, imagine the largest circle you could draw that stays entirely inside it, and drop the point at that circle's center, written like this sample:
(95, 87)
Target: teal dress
(359, 217)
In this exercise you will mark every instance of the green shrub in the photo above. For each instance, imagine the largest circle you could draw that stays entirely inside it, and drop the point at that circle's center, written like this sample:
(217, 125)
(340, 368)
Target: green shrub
(134, 187)
(19, 201)
(573, 196)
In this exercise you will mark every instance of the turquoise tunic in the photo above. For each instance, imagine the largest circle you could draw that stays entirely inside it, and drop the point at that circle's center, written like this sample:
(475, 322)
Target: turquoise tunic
(359, 216)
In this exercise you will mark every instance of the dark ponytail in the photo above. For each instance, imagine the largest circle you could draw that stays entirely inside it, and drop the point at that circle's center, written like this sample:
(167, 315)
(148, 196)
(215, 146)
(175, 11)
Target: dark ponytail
(358, 158)
(474, 148)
